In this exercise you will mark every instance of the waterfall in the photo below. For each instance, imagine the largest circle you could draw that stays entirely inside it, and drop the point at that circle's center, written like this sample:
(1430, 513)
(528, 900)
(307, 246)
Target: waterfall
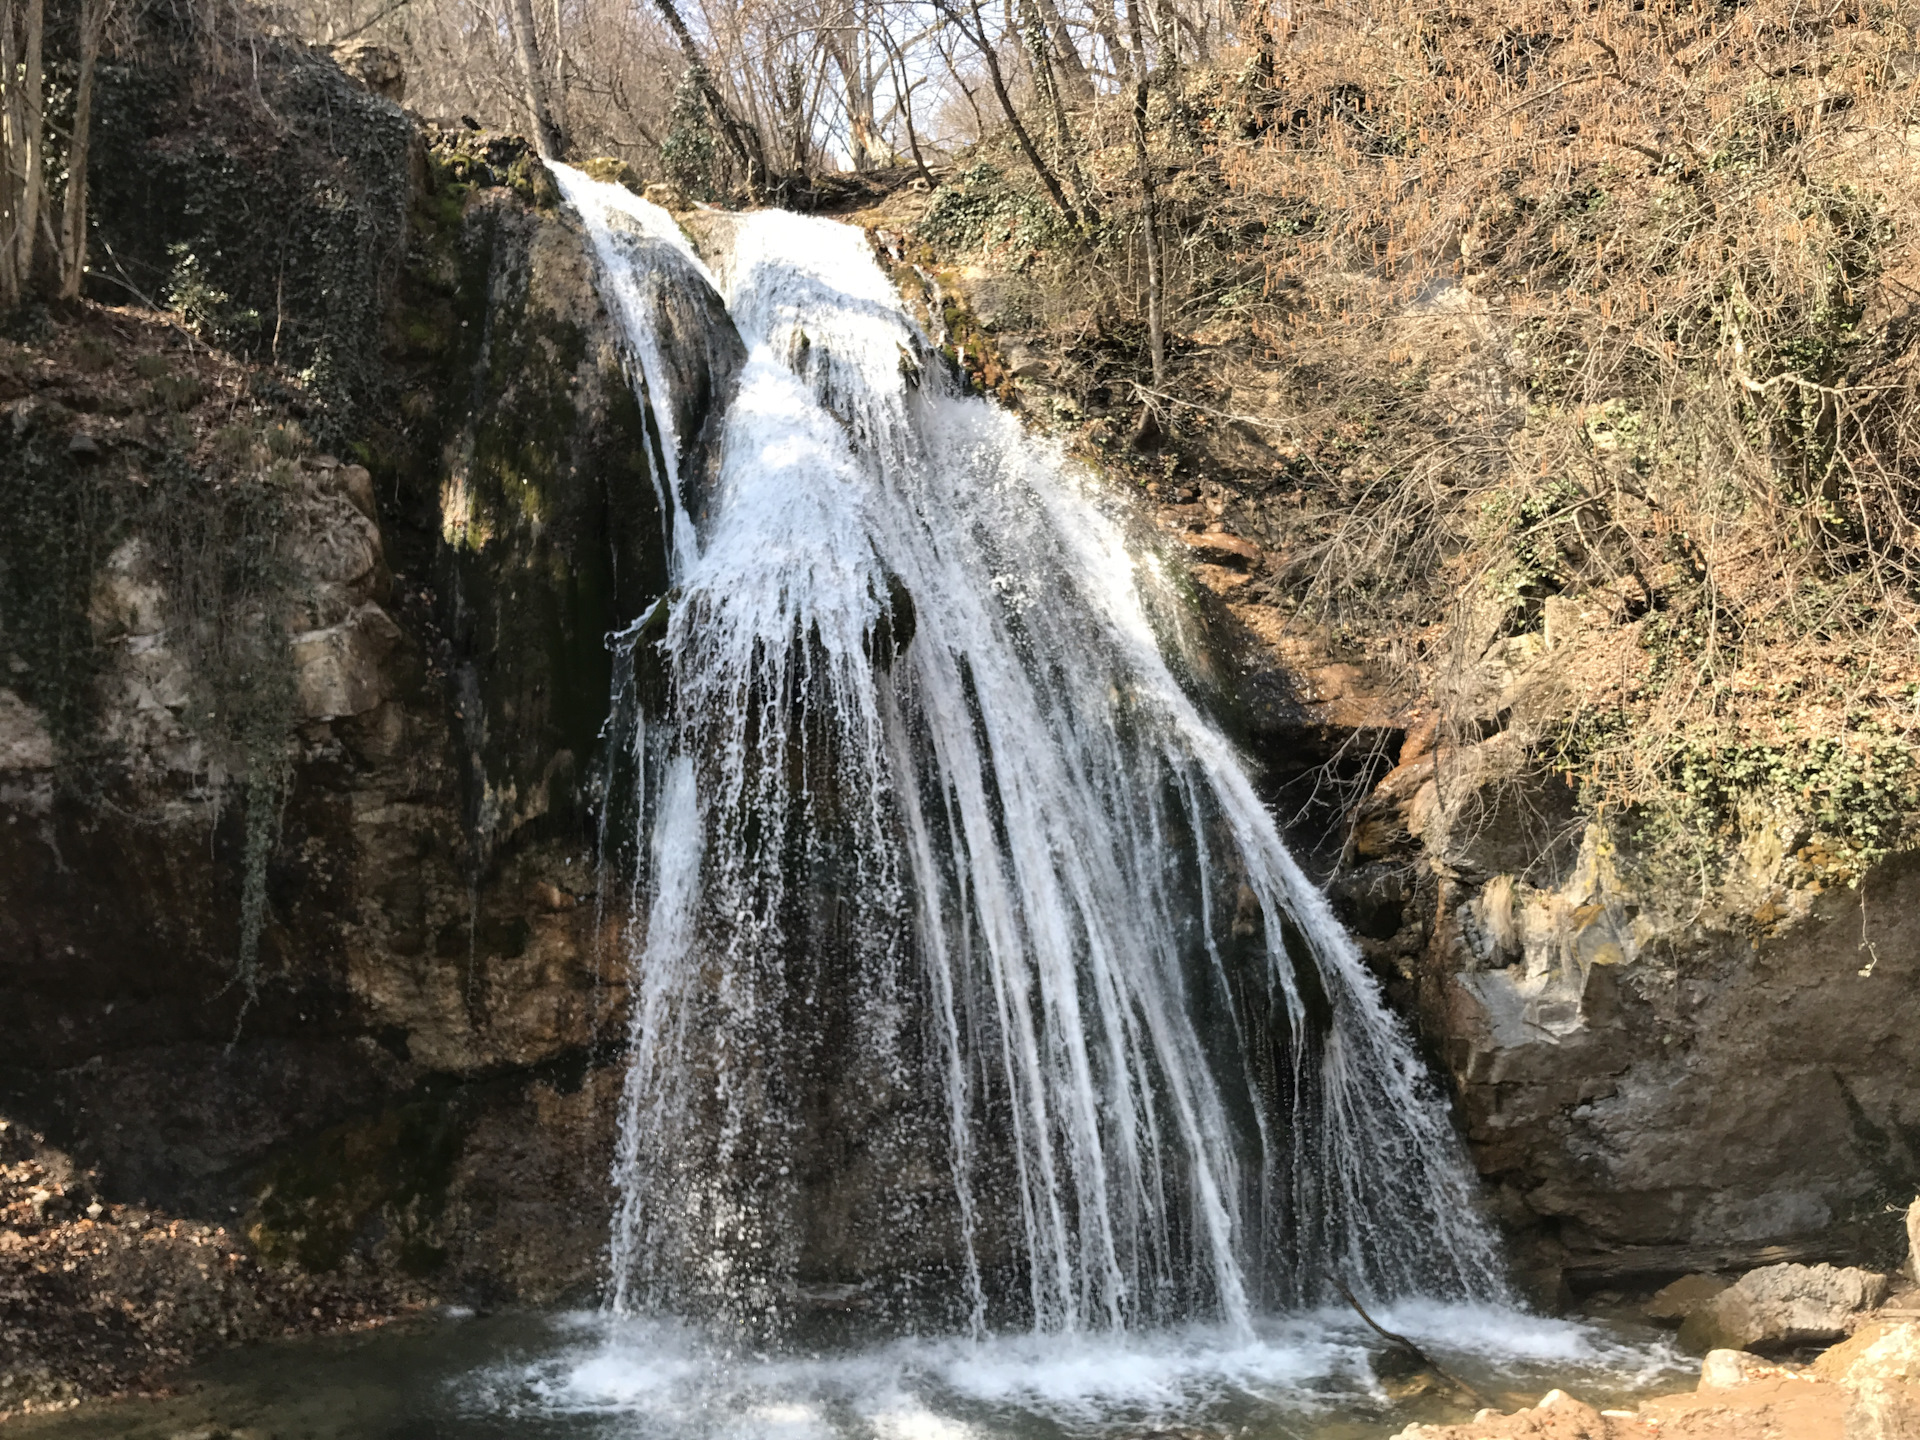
(972, 984)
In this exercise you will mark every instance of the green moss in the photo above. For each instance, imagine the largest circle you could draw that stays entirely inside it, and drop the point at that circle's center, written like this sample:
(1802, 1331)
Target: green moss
(611, 171)
(1854, 794)
(372, 1185)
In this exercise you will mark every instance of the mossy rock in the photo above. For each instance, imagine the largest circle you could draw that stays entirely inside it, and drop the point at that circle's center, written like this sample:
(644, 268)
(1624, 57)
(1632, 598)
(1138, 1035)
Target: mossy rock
(366, 1190)
(611, 171)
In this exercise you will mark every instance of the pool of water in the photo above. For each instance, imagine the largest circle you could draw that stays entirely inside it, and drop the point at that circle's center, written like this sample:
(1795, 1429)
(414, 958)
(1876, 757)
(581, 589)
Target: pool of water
(457, 1376)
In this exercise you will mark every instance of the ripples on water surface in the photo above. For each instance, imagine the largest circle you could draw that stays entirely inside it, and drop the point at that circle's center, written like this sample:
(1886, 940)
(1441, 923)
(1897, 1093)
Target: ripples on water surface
(571, 1377)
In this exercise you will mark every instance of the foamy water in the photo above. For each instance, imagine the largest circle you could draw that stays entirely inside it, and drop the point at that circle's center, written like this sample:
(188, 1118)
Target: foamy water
(1290, 1377)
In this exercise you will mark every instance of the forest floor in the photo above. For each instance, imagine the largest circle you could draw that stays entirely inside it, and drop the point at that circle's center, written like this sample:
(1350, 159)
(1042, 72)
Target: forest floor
(99, 1299)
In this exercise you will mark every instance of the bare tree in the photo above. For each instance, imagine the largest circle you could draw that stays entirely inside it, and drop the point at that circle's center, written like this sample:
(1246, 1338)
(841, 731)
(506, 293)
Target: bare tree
(23, 73)
(73, 218)
(982, 42)
(1149, 216)
(546, 134)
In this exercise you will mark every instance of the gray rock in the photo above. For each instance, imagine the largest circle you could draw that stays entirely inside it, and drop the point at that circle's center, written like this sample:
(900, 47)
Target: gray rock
(24, 741)
(1781, 1306)
(1913, 1239)
(1677, 1301)
(1724, 1369)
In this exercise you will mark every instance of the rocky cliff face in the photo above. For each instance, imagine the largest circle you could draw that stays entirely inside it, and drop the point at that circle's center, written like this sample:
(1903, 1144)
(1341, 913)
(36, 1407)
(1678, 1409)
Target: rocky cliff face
(304, 668)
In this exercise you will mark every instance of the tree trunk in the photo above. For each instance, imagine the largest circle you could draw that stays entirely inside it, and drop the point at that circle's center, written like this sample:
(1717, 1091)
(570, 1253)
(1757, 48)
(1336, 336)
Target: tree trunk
(12, 160)
(1149, 217)
(898, 63)
(546, 135)
(33, 180)
(869, 149)
(73, 226)
(1066, 55)
(562, 112)
(1107, 27)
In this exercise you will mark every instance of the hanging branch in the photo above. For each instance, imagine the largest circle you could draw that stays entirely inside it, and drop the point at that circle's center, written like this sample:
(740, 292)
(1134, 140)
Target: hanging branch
(1149, 214)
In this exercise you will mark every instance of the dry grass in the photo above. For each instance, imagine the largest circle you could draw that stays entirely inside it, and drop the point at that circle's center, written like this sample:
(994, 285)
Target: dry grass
(1597, 314)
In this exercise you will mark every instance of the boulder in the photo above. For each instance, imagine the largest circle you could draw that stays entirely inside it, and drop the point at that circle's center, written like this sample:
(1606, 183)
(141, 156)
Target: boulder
(1881, 1366)
(1913, 1239)
(1724, 1369)
(1673, 1304)
(1780, 1306)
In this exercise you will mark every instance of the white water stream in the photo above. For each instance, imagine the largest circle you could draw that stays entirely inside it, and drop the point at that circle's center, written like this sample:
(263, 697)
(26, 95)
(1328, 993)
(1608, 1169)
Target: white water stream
(977, 987)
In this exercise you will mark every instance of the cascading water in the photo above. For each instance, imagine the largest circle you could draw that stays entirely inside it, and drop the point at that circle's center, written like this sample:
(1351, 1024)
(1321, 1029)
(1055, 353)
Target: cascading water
(975, 982)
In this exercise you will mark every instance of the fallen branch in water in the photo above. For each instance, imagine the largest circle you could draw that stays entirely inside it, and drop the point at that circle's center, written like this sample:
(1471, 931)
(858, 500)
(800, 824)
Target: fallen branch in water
(1425, 1360)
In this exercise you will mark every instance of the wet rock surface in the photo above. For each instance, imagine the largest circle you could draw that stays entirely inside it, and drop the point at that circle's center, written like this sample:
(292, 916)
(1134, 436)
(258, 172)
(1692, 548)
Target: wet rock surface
(301, 945)
(1781, 1307)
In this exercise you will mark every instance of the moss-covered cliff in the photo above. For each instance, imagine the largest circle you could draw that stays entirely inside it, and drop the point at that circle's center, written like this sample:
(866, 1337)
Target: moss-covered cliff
(302, 676)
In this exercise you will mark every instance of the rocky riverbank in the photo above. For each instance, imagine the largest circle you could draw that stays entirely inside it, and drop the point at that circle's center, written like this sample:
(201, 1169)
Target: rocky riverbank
(1807, 1352)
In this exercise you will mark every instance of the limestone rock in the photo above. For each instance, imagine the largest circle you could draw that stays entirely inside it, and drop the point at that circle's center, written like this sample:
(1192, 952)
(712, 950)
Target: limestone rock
(1024, 363)
(1724, 1369)
(339, 670)
(1878, 1351)
(1880, 1365)
(375, 66)
(127, 597)
(356, 483)
(1673, 1304)
(1884, 1410)
(24, 741)
(1780, 1306)
(1913, 1239)
(1220, 548)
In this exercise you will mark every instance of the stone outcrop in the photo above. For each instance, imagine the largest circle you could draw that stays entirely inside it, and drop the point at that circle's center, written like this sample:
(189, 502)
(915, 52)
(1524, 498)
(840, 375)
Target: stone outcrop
(300, 932)
(1880, 1365)
(1781, 1307)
